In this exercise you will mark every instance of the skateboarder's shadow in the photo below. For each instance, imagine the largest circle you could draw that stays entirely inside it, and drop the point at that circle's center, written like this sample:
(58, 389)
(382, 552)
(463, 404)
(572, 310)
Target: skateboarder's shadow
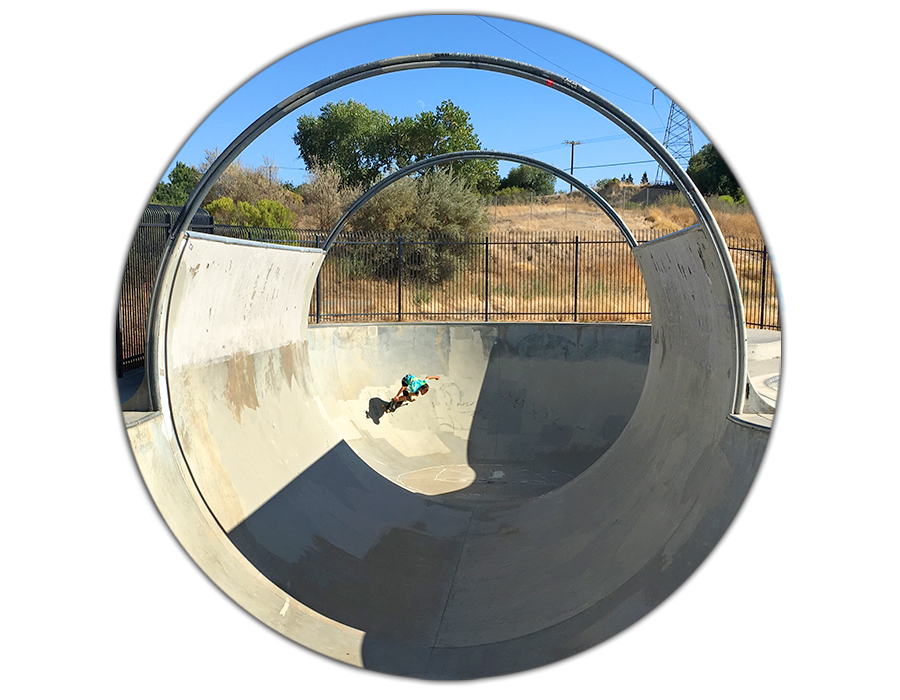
(376, 410)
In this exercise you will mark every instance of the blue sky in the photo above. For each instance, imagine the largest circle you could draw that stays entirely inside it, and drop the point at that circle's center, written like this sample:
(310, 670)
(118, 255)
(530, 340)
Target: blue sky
(508, 114)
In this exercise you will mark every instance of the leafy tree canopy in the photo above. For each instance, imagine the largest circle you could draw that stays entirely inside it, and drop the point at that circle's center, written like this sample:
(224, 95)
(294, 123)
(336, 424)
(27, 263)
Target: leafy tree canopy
(364, 144)
(711, 174)
(355, 140)
(527, 177)
(175, 192)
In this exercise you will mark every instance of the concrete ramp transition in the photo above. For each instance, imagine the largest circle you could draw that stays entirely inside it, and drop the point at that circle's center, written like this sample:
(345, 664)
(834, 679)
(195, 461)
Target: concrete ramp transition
(557, 483)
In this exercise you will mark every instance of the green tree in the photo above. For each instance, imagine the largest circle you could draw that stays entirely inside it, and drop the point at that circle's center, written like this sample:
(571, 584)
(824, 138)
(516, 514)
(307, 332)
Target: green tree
(363, 144)
(527, 177)
(355, 140)
(175, 192)
(711, 174)
(447, 129)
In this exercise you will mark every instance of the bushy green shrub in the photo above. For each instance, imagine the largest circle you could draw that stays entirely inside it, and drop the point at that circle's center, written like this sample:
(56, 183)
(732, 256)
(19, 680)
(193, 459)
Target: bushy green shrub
(265, 213)
(438, 217)
(530, 178)
(253, 185)
(513, 195)
(729, 204)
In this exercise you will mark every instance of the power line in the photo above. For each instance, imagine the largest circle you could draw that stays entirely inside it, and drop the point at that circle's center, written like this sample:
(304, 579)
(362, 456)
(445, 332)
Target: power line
(614, 165)
(574, 75)
(596, 139)
(543, 149)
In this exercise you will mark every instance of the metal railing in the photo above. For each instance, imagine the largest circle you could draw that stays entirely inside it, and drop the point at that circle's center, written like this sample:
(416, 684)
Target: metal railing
(757, 281)
(582, 277)
(586, 276)
(147, 249)
(536, 277)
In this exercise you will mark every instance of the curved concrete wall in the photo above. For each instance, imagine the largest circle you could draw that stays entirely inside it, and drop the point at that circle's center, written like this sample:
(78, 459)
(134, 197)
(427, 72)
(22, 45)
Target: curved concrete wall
(591, 493)
(510, 404)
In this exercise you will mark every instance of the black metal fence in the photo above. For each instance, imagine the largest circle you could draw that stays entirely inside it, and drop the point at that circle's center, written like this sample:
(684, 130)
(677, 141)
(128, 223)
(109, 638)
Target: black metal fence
(137, 280)
(581, 277)
(367, 278)
(757, 281)
(536, 277)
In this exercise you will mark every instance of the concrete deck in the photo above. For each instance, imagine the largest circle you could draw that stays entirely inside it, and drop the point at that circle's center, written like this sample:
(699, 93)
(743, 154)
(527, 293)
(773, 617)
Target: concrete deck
(558, 483)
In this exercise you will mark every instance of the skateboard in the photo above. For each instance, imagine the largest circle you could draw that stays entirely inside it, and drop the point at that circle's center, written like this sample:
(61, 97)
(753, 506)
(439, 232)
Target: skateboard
(386, 407)
(392, 405)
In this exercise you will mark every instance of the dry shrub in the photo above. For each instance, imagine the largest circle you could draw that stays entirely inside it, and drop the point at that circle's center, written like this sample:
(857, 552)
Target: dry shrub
(326, 199)
(670, 218)
(732, 224)
(251, 184)
(742, 225)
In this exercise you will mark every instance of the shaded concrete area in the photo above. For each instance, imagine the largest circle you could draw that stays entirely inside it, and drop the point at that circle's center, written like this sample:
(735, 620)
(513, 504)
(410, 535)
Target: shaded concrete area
(129, 383)
(558, 482)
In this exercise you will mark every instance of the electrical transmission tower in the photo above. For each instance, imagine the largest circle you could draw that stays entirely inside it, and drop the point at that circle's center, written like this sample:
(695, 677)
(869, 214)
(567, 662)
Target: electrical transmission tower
(678, 140)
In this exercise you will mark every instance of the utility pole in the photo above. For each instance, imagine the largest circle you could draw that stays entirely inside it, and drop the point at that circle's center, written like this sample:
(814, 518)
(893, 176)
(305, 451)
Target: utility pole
(572, 161)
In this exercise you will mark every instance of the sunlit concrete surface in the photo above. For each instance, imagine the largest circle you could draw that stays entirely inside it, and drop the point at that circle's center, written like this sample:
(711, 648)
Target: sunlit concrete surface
(558, 482)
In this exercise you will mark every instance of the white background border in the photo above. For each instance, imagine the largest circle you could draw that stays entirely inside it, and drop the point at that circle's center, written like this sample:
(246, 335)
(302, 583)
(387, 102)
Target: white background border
(799, 600)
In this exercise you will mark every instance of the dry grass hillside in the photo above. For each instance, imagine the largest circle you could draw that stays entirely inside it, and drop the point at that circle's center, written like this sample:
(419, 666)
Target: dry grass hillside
(580, 215)
(532, 266)
(575, 214)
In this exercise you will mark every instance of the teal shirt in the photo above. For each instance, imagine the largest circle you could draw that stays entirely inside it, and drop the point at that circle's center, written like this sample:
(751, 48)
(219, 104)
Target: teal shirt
(414, 384)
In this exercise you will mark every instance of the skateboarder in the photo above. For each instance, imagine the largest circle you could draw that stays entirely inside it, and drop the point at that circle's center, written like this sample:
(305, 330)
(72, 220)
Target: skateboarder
(410, 387)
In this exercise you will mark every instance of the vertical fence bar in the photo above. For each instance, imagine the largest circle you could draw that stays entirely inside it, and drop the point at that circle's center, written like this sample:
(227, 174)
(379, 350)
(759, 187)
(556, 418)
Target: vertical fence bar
(486, 288)
(762, 293)
(120, 360)
(399, 278)
(319, 289)
(576, 279)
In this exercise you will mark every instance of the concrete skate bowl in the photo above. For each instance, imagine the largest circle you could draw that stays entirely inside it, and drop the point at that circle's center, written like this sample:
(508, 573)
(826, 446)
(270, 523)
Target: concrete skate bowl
(557, 484)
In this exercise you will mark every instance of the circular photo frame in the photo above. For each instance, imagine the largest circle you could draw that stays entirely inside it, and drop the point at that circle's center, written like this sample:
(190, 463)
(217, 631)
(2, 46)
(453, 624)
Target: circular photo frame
(479, 383)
